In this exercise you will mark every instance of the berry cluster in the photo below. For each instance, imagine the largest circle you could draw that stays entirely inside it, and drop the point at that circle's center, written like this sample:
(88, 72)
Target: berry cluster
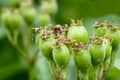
(57, 43)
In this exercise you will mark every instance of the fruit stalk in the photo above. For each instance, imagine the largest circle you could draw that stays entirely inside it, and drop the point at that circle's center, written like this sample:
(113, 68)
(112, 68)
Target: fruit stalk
(64, 75)
(31, 73)
(53, 69)
(112, 60)
(85, 75)
(77, 74)
(100, 71)
(96, 73)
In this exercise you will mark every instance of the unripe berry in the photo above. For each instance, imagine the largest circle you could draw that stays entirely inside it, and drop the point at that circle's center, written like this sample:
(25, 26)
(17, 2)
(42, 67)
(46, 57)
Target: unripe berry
(29, 14)
(114, 33)
(107, 48)
(15, 20)
(61, 55)
(100, 28)
(46, 47)
(77, 32)
(82, 59)
(97, 51)
(49, 7)
(43, 19)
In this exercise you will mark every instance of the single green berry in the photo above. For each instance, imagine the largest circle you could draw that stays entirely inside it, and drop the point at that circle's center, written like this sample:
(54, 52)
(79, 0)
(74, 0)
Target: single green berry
(5, 17)
(49, 7)
(29, 15)
(77, 32)
(43, 19)
(61, 55)
(82, 59)
(100, 28)
(46, 47)
(15, 20)
(97, 51)
(107, 48)
(114, 33)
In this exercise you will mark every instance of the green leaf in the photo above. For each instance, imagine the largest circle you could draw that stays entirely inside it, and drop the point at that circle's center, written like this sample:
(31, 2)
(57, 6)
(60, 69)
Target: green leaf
(114, 74)
(117, 63)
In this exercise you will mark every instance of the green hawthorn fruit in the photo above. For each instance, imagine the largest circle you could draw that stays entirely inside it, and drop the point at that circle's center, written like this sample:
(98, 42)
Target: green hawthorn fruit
(29, 15)
(15, 20)
(5, 17)
(49, 7)
(97, 51)
(100, 31)
(44, 19)
(61, 56)
(46, 47)
(107, 48)
(114, 33)
(82, 59)
(100, 28)
(77, 32)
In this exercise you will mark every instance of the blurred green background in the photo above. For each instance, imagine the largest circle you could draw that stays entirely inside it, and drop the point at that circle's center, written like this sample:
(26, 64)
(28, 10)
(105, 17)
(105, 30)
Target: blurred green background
(12, 67)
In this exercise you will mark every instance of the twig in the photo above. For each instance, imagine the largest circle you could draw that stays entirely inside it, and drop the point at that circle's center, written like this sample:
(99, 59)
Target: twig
(96, 73)
(77, 74)
(15, 45)
(112, 60)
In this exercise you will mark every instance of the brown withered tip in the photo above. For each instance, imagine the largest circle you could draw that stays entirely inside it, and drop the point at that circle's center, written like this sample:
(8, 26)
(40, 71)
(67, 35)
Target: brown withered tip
(82, 45)
(96, 40)
(113, 27)
(45, 35)
(56, 45)
(76, 46)
(66, 27)
(108, 38)
(37, 30)
(100, 24)
(57, 29)
(79, 46)
(67, 41)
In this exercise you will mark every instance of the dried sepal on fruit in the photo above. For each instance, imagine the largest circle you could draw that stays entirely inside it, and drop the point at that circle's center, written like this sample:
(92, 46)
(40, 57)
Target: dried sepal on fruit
(100, 28)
